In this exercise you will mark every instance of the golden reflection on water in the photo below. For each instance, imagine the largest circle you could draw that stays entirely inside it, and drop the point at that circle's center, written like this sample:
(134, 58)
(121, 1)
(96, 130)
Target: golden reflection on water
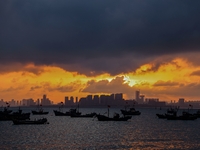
(164, 145)
(140, 133)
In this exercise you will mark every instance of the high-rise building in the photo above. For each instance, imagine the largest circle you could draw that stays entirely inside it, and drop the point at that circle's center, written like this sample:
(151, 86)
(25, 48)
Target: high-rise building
(141, 101)
(44, 97)
(45, 100)
(119, 96)
(96, 99)
(103, 99)
(119, 99)
(71, 100)
(89, 100)
(30, 102)
(76, 101)
(181, 101)
(66, 100)
(137, 96)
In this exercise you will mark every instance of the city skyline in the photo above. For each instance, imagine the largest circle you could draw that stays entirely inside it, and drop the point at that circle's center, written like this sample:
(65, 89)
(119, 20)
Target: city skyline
(114, 99)
(100, 47)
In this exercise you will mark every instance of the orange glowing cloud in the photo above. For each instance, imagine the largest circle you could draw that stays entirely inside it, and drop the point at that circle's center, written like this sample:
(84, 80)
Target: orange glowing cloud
(169, 80)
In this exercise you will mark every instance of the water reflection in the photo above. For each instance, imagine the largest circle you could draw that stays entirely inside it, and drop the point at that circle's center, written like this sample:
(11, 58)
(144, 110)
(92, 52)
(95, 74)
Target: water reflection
(141, 132)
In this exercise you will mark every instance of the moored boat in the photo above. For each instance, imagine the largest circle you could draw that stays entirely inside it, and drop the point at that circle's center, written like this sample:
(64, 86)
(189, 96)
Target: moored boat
(114, 118)
(185, 116)
(5, 111)
(171, 112)
(15, 115)
(197, 114)
(172, 115)
(131, 111)
(39, 112)
(67, 113)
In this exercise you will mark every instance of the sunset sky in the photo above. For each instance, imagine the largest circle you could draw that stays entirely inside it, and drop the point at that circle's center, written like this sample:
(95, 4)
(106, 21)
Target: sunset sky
(76, 48)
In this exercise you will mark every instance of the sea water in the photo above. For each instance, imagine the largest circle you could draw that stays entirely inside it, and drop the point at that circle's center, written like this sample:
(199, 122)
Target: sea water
(145, 131)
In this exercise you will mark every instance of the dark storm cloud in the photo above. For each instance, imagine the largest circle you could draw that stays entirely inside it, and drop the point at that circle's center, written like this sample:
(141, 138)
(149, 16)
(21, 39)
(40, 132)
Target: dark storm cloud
(17, 67)
(84, 34)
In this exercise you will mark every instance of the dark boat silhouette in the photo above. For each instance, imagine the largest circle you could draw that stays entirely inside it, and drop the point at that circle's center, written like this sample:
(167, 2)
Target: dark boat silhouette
(184, 116)
(116, 117)
(197, 114)
(171, 112)
(131, 111)
(172, 115)
(72, 111)
(20, 115)
(28, 122)
(5, 111)
(67, 113)
(6, 115)
(39, 111)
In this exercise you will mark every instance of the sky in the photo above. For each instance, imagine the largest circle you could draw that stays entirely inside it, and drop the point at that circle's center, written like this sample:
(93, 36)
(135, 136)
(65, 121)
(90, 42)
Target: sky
(78, 48)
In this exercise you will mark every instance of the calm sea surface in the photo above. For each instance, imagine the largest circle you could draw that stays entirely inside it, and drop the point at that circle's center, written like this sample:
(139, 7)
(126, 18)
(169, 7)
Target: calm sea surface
(65, 133)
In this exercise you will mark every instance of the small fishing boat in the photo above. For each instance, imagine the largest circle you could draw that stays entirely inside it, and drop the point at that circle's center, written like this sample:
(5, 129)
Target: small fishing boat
(39, 111)
(14, 115)
(171, 113)
(60, 112)
(197, 114)
(131, 111)
(5, 111)
(116, 117)
(182, 117)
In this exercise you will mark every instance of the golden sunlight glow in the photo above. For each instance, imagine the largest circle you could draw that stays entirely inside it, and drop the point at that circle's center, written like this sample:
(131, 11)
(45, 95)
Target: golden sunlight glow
(176, 70)
(129, 81)
(144, 68)
(34, 81)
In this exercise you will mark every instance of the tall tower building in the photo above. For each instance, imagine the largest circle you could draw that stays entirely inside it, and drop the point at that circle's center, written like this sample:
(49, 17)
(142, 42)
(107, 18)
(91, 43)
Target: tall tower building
(44, 97)
(66, 100)
(71, 100)
(137, 96)
(76, 101)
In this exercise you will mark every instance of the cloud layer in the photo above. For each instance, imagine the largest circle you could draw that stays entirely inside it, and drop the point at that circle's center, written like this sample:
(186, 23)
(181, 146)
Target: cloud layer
(93, 37)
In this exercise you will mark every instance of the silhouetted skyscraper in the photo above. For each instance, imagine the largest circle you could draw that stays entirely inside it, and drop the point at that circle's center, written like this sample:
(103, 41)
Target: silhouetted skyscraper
(137, 96)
